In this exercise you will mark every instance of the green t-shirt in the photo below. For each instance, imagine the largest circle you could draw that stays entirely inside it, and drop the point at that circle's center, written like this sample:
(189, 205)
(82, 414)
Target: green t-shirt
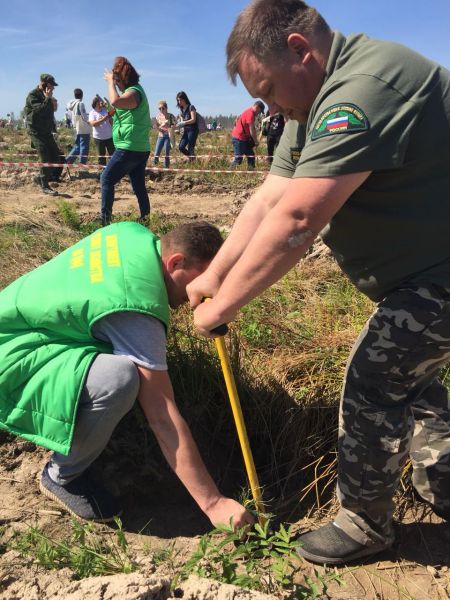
(382, 108)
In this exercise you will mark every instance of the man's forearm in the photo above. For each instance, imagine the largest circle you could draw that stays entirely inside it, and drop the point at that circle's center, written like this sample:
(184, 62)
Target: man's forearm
(247, 223)
(181, 452)
(280, 241)
(175, 438)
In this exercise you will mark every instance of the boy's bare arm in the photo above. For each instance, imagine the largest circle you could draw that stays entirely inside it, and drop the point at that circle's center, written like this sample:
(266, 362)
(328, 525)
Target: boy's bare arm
(179, 448)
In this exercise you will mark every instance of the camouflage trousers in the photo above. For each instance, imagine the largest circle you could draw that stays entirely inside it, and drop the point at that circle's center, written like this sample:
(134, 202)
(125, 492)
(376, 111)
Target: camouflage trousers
(394, 405)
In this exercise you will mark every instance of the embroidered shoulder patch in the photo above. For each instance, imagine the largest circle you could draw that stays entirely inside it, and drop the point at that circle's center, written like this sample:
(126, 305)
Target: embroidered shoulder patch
(295, 154)
(340, 118)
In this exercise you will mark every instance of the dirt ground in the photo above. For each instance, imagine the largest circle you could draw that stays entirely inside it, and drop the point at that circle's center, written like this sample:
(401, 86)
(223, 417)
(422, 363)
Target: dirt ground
(417, 568)
(180, 196)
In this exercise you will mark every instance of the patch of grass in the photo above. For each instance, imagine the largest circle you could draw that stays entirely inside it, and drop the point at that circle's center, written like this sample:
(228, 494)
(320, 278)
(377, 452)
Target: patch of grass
(259, 559)
(85, 552)
(25, 244)
(18, 233)
(3, 546)
(53, 244)
(68, 214)
(165, 556)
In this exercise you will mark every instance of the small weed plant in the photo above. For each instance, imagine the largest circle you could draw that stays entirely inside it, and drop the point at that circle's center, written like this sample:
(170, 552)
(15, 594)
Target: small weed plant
(85, 552)
(168, 557)
(259, 559)
(69, 215)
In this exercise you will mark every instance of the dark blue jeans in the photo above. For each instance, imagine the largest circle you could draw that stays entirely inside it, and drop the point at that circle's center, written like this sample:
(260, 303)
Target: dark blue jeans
(124, 162)
(188, 141)
(80, 148)
(241, 148)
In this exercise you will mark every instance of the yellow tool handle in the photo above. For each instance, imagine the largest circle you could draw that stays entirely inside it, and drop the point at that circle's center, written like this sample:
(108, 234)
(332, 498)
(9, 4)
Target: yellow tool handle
(240, 426)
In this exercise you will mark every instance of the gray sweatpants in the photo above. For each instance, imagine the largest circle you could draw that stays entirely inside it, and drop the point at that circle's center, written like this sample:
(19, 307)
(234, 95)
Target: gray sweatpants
(110, 390)
(394, 405)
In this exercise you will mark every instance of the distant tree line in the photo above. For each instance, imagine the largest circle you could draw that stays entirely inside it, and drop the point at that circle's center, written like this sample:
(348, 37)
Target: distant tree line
(226, 121)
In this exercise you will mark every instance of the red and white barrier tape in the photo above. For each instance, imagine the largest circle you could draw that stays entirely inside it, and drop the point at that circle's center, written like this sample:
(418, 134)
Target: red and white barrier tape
(173, 157)
(29, 165)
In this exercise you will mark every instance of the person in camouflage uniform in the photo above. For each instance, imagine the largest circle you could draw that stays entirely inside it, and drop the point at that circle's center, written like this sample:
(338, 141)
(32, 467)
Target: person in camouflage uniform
(394, 405)
(364, 161)
(39, 111)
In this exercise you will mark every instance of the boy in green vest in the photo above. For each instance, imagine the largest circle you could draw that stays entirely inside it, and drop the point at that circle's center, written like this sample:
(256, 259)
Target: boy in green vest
(84, 335)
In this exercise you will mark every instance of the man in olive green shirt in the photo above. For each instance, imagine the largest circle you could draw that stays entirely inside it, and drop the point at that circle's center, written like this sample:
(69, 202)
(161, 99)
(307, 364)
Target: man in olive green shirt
(39, 111)
(364, 161)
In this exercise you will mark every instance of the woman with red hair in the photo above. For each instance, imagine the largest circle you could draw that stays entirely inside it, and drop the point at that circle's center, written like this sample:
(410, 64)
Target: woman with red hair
(131, 136)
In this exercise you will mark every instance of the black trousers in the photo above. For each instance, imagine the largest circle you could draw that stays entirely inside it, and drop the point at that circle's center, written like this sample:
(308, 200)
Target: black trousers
(102, 146)
(272, 143)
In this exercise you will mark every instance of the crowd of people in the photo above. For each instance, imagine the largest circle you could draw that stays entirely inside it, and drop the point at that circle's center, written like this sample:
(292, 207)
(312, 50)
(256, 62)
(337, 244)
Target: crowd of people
(364, 161)
(120, 125)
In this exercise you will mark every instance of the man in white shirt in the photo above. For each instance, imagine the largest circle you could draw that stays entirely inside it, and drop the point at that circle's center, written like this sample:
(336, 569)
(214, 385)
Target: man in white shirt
(80, 122)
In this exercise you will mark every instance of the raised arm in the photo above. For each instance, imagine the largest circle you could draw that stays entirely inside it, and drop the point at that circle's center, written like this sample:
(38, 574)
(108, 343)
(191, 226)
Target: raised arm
(284, 234)
(130, 99)
(37, 105)
(181, 452)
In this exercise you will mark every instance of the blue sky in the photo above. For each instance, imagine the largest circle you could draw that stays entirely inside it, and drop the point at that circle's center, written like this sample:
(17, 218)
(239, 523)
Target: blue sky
(175, 44)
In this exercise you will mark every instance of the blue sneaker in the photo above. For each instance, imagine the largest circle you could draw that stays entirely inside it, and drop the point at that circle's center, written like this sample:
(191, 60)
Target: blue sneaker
(81, 498)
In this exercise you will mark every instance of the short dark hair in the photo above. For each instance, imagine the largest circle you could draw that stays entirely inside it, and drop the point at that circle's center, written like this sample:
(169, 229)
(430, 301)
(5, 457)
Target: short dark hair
(263, 27)
(78, 93)
(199, 241)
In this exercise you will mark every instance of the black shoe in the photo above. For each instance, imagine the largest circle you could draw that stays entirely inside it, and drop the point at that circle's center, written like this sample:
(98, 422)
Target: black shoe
(48, 190)
(440, 512)
(82, 497)
(332, 546)
(45, 188)
(145, 220)
(97, 221)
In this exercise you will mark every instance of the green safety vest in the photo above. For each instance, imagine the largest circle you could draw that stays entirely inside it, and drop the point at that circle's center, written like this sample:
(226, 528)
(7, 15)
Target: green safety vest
(131, 126)
(46, 319)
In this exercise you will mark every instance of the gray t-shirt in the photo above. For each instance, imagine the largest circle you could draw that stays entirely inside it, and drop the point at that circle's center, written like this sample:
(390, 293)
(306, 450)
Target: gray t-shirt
(382, 108)
(139, 337)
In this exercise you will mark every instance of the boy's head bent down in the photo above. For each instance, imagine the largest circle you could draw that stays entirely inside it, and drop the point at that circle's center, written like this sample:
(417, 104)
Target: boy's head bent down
(186, 252)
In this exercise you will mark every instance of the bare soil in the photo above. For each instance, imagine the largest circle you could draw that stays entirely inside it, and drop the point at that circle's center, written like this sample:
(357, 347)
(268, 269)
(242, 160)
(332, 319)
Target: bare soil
(158, 512)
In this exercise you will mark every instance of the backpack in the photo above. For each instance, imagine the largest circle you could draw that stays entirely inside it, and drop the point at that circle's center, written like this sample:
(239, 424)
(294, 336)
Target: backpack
(78, 121)
(201, 124)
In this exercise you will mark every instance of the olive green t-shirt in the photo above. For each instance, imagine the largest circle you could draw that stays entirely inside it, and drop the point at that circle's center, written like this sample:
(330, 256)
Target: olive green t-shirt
(382, 108)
